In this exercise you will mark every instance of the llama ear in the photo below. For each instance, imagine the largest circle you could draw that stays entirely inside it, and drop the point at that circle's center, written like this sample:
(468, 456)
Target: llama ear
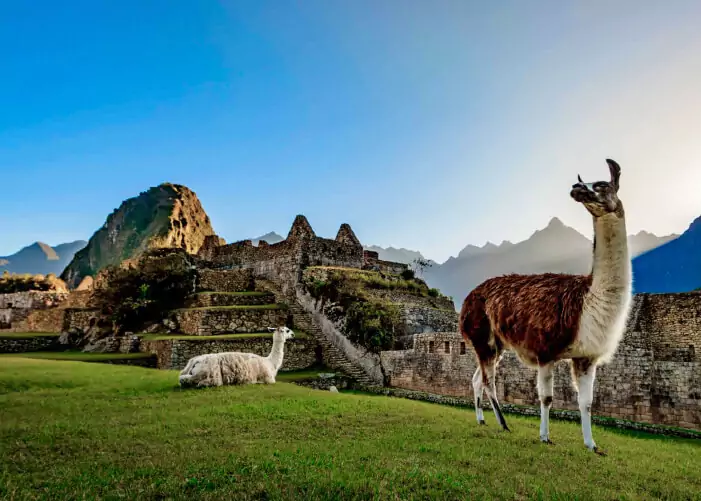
(615, 171)
(579, 178)
(271, 329)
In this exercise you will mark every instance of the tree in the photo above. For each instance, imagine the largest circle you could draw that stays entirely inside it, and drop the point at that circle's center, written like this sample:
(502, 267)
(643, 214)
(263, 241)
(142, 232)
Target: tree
(419, 265)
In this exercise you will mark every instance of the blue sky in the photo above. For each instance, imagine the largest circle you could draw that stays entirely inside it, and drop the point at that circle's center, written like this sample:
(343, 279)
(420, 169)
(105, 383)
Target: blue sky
(427, 125)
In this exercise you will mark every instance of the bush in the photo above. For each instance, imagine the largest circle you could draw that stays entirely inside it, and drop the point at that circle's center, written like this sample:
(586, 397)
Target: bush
(408, 274)
(26, 282)
(134, 297)
(434, 292)
(371, 325)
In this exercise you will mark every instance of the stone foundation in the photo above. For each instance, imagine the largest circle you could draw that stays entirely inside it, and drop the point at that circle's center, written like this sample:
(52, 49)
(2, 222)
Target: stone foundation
(300, 353)
(22, 345)
(634, 386)
(237, 280)
(209, 299)
(223, 320)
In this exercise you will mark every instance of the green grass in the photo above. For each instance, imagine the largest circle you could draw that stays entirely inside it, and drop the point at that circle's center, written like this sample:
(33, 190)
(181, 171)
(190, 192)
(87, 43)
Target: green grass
(239, 307)
(77, 356)
(244, 293)
(79, 431)
(221, 337)
(312, 373)
(25, 335)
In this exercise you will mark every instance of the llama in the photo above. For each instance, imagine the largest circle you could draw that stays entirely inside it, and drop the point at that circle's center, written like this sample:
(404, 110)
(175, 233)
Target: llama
(550, 317)
(217, 369)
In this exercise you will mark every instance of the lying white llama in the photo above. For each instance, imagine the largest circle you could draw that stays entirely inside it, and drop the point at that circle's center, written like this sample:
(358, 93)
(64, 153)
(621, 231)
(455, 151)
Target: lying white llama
(217, 369)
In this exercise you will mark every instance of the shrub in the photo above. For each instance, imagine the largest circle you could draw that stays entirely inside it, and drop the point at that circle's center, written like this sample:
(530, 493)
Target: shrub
(408, 274)
(22, 283)
(434, 292)
(371, 325)
(134, 297)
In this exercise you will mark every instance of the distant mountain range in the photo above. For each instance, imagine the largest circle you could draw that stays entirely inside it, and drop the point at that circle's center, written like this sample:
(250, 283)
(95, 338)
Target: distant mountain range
(672, 267)
(555, 248)
(271, 238)
(40, 258)
(670, 263)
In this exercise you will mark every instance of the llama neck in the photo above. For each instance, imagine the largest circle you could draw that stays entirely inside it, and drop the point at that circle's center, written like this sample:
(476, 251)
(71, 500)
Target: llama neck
(611, 267)
(277, 353)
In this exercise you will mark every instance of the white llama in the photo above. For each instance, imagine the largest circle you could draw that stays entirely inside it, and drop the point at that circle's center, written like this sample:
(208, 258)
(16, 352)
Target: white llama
(217, 369)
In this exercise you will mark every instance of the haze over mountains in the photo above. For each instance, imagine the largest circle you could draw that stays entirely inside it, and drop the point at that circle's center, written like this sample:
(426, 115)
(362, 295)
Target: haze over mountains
(665, 264)
(555, 248)
(41, 258)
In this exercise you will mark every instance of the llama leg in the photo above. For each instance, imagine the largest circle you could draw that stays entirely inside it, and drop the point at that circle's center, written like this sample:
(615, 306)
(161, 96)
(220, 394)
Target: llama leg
(489, 373)
(545, 393)
(585, 371)
(478, 393)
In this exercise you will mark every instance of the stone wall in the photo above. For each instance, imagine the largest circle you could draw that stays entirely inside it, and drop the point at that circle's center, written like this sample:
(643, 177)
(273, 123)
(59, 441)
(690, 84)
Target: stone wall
(636, 385)
(212, 321)
(419, 319)
(22, 345)
(80, 319)
(206, 300)
(300, 353)
(226, 280)
(36, 311)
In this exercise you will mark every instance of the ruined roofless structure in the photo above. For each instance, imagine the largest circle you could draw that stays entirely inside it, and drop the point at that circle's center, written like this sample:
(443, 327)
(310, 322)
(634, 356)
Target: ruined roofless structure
(284, 261)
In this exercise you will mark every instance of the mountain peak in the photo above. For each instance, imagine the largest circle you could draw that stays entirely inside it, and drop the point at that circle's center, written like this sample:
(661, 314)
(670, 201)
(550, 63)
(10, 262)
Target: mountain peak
(555, 223)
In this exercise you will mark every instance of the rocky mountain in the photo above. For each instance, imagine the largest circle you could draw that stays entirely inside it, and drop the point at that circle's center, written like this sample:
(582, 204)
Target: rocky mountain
(271, 238)
(672, 267)
(555, 248)
(168, 215)
(40, 258)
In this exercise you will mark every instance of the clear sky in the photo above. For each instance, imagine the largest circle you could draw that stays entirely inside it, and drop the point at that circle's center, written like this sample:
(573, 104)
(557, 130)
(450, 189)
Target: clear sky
(426, 125)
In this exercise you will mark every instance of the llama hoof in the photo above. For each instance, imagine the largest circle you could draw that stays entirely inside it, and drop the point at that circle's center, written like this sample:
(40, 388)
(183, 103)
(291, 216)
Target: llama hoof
(481, 422)
(547, 441)
(598, 451)
(505, 428)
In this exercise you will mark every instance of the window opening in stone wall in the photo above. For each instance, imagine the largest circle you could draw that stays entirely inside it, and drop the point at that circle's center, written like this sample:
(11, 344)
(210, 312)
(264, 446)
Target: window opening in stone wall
(462, 348)
(447, 346)
(430, 346)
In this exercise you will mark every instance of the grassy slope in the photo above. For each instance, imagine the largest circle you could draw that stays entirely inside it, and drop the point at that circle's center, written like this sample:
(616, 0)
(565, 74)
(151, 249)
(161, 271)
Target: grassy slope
(71, 430)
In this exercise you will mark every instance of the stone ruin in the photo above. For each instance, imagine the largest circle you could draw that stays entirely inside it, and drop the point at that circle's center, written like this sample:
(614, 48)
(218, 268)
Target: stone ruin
(655, 376)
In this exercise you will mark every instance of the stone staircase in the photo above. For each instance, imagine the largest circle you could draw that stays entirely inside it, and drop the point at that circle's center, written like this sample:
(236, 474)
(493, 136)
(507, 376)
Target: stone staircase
(303, 320)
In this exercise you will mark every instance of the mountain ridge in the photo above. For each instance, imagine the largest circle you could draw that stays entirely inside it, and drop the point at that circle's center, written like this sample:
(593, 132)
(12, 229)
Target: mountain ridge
(41, 258)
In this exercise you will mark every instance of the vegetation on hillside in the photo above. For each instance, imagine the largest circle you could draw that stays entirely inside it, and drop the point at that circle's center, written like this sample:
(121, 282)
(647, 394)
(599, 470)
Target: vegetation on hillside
(167, 215)
(10, 282)
(366, 320)
(143, 438)
(136, 296)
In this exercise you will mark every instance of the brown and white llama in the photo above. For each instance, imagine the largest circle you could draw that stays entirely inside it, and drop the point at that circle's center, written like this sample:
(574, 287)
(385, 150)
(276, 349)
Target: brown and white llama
(550, 317)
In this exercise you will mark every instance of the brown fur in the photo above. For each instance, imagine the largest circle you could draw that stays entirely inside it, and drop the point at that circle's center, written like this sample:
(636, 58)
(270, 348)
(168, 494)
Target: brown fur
(535, 315)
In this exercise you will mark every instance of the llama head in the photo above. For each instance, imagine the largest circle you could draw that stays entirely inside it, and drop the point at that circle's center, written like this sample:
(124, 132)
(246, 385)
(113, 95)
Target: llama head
(601, 197)
(282, 333)
(197, 370)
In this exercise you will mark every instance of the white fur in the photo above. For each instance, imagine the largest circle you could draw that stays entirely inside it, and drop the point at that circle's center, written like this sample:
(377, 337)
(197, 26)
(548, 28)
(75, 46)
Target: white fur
(217, 369)
(586, 396)
(545, 390)
(607, 304)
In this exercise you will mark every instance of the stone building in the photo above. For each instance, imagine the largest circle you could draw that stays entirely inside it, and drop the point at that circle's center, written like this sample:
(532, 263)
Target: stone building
(655, 376)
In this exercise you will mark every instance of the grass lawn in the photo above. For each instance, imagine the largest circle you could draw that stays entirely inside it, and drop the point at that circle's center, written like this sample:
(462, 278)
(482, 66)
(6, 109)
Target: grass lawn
(77, 356)
(220, 337)
(25, 335)
(79, 431)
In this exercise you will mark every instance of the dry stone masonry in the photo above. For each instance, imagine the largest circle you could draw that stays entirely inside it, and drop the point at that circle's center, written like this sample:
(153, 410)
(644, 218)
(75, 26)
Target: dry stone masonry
(655, 376)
